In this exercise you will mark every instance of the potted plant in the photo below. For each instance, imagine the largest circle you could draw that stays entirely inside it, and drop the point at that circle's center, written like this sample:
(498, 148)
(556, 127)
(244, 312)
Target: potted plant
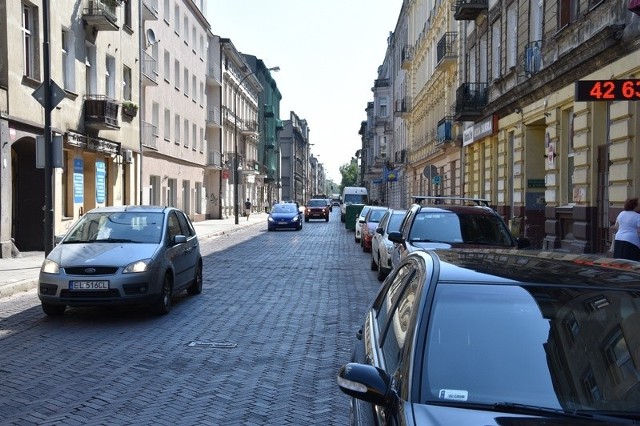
(129, 108)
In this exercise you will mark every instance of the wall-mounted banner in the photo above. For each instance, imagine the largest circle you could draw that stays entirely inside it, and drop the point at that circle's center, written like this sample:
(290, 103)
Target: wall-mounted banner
(390, 175)
(101, 173)
(78, 180)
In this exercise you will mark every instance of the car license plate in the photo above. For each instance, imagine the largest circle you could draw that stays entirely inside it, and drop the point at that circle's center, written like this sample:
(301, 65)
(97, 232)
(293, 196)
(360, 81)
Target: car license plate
(88, 285)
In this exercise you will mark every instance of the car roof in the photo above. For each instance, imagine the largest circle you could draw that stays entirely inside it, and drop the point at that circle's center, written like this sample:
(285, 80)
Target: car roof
(534, 267)
(131, 208)
(454, 208)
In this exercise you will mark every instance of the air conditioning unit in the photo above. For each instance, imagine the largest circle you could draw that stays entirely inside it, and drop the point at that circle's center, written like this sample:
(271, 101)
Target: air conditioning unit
(127, 155)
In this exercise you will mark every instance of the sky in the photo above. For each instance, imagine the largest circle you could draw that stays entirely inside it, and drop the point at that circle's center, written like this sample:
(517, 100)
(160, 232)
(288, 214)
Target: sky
(328, 52)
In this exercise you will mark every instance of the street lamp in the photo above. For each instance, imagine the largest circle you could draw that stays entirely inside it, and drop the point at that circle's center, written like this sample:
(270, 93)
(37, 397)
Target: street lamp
(235, 142)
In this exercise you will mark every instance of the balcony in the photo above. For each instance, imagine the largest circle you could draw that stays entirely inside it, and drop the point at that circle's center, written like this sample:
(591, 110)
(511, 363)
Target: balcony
(407, 57)
(149, 70)
(101, 112)
(444, 132)
(270, 142)
(269, 110)
(471, 98)
(446, 52)
(149, 10)
(381, 82)
(533, 57)
(101, 15)
(229, 115)
(402, 107)
(149, 135)
(251, 166)
(214, 160)
(214, 75)
(248, 127)
(469, 10)
(214, 118)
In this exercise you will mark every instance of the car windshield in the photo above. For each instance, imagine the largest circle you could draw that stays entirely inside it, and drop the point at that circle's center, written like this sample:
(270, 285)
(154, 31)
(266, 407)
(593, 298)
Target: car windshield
(375, 215)
(284, 208)
(450, 227)
(355, 199)
(317, 203)
(495, 344)
(134, 227)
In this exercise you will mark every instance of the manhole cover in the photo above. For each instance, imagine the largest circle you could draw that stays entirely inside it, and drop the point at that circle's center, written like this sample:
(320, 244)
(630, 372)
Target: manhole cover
(220, 345)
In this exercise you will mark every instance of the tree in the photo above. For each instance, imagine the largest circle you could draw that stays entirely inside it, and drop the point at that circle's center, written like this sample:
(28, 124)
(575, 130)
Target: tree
(349, 174)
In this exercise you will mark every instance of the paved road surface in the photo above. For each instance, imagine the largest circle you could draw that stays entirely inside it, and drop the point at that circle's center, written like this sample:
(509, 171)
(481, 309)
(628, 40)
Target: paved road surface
(260, 346)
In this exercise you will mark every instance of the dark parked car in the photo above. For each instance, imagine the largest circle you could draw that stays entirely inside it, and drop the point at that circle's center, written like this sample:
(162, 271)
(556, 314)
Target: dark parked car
(438, 222)
(122, 255)
(316, 208)
(284, 216)
(499, 337)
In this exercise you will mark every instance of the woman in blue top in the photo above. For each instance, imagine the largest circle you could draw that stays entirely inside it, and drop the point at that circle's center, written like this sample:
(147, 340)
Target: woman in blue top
(627, 228)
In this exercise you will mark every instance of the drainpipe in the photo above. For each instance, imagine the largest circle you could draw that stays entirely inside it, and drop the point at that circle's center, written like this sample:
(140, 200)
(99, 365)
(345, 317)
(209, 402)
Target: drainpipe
(140, 98)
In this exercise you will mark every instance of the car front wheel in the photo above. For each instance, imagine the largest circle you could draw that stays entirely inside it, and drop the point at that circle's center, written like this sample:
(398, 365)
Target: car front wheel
(163, 304)
(196, 286)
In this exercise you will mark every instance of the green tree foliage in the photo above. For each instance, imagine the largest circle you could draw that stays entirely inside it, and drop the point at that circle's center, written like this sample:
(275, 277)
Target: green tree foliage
(349, 174)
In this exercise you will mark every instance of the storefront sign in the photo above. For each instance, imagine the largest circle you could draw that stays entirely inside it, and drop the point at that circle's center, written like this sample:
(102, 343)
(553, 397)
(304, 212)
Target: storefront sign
(101, 173)
(483, 129)
(535, 183)
(78, 181)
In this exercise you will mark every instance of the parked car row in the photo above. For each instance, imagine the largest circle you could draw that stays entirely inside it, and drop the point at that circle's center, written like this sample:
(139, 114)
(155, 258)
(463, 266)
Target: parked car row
(470, 328)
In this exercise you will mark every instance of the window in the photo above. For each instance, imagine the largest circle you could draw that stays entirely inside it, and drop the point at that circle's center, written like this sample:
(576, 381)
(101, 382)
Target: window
(194, 133)
(68, 60)
(126, 83)
(167, 11)
(155, 117)
(194, 88)
(185, 142)
(496, 49)
(91, 76)
(512, 36)
(193, 38)
(201, 93)
(154, 190)
(201, 139)
(110, 77)
(29, 38)
(167, 66)
(382, 107)
(568, 11)
(167, 124)
(176, 73)
(186, 81)
(176, 14)
(177, 129)
(619, 357)
(186, 29)
(483, 59)
(127, 14)
(568, 136)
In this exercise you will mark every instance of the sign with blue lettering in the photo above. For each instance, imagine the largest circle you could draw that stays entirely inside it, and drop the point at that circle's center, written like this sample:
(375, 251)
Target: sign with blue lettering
(78, 181)
(101, 172)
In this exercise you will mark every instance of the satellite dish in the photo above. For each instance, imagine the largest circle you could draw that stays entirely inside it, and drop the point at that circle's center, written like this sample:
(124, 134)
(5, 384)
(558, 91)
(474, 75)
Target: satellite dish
(151, 37)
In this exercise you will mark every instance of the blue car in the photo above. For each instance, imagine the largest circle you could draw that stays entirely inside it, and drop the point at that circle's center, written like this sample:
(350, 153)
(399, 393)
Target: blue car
(284, 216)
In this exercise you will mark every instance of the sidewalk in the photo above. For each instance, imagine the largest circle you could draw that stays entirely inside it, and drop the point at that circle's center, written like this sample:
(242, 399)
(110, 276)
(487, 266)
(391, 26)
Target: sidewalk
(21, 273)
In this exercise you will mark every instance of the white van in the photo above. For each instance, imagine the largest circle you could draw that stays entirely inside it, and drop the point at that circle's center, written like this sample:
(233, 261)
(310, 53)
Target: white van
(352, 195)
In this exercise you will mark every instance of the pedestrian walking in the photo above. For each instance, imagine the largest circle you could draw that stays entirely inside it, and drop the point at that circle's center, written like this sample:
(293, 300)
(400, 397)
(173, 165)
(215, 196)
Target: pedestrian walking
(247, 208)
(626, 241)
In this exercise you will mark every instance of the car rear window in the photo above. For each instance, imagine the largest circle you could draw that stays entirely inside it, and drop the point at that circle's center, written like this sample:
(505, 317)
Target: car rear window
(317, 203)
(450, 227)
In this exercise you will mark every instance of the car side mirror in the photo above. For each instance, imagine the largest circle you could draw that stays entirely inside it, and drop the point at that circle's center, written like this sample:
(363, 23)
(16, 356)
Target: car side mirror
(380, 230)
(396, 237)
(523, 243)
(179, 239)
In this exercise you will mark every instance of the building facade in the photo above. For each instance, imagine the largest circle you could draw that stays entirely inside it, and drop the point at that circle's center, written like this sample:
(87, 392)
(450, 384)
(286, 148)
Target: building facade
(94, 72)
(294, 158)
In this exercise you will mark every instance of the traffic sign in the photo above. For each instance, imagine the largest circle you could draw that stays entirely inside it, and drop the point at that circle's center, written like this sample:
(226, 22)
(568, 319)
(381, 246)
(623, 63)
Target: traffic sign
(57, 94)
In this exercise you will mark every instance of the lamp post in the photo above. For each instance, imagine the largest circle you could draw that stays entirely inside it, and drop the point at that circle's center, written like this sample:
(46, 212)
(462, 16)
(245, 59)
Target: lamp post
(235, 142)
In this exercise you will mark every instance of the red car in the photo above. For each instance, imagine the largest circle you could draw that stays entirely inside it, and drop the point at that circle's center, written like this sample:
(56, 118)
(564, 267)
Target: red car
(316, 208)
(369, 224)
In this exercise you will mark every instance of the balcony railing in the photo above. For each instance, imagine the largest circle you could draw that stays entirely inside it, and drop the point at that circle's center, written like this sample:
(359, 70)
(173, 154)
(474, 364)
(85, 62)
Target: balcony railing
(101, 112)
(214, 118)
(471, 98)
(248, 127)
(149, 69)
(381, 82)
(533, 57)
(445, 130)
(101, 15)
(407, 57)
(149, 135)
(150, 10)
(214, 74)
(214, 159)
(469, 10)
(446, 51)
(269, 110)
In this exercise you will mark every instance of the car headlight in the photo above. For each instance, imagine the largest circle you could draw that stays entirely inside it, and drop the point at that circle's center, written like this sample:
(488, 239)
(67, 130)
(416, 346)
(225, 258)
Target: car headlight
(137, 266)
(50, 267)
(295, 218)
(270, 219)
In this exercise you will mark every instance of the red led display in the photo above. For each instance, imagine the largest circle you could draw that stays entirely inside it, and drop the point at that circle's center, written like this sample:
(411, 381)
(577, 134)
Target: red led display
(607, 90)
